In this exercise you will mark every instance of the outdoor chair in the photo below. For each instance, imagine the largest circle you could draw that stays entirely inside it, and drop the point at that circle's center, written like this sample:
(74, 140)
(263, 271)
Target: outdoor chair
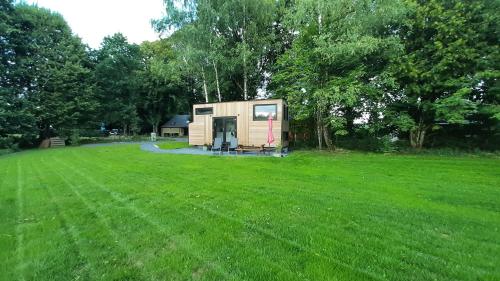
(233, 144)
(217, 144)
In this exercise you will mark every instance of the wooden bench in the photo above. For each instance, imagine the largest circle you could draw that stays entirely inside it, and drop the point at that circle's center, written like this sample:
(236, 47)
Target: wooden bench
(57, 142)
(268, 150)
(242, 149)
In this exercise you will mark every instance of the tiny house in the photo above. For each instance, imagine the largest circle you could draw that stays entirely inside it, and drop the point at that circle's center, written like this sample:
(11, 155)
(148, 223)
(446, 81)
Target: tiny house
(245, 120)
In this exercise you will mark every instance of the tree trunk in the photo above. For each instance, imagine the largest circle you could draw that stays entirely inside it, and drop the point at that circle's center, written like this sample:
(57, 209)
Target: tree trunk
(217, 81)
(157, 124)
(319, 118)
(349, 114)
(319, 18)
(245, 78)
(328, 139)
(125, 129)
(417, 136)
(319, 128)
(45, 132)
(205, 91)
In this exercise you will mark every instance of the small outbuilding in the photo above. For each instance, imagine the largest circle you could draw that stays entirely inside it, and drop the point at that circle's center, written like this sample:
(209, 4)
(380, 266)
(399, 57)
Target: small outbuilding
(176, 127)
(248, 121)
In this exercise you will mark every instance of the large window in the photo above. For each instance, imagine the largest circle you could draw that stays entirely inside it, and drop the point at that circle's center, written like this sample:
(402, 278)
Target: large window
(204, 111)
(261, 112)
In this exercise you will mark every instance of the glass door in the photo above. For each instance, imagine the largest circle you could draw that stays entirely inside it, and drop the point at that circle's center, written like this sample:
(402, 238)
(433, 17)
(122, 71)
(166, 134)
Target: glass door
(229, 129)
(224, 128)
(218, 128)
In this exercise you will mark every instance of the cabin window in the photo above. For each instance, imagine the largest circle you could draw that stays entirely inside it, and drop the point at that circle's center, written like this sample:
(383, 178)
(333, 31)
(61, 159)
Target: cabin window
(261, 112)
(285, 113)
(204, 111)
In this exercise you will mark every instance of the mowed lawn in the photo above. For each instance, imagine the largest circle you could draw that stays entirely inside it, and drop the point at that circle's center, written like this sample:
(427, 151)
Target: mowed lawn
(119, 213)
(173, 144)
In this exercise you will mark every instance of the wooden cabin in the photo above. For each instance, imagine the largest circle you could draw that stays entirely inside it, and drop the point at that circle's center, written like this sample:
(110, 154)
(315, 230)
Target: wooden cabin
(245, 120)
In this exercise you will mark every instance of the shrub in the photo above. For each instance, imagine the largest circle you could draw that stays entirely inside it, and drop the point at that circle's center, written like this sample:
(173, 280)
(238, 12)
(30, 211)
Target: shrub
(74, 138)
(383, 144)
(6, 142)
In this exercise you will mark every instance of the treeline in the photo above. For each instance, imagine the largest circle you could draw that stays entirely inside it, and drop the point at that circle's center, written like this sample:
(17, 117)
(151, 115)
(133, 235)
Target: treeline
(354, 73)
(53, 85)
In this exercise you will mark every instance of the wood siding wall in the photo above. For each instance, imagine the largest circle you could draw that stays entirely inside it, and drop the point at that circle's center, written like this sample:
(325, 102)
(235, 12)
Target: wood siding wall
(249, 132)
(172, 131)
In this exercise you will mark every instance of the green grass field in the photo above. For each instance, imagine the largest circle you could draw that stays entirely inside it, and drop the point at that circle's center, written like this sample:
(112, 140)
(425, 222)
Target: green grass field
(172, 145)
(118, 213)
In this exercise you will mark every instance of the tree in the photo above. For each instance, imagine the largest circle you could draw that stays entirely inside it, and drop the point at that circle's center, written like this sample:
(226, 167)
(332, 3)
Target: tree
(449, 71)
(189, 40)
(247, 28)
(117, 82)
(223, 41)
(9, 112)
(161, 87)
(49, 75)
(339, 61)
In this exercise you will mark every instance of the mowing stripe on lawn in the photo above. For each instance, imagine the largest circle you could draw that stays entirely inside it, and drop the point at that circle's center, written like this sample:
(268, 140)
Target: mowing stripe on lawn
(20, 219)
(30, 226)
(72, 235)
(288, 242)
(420, 254)
(9, 221)
(277, 266)
(281, 268)
(350, 245)
(263, 232)
(414, 225)
(445, 259)
(145, 217)
(103, 220)
(102, 168)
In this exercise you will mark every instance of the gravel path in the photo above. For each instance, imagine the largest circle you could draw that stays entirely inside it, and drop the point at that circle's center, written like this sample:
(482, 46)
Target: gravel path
(152, 147)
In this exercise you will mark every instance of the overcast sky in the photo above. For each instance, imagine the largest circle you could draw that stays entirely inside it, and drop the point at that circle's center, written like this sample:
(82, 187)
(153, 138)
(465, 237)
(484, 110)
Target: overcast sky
(92, 20)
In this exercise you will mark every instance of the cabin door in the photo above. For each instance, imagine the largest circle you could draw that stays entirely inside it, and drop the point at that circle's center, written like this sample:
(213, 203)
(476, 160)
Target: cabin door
(225, 128)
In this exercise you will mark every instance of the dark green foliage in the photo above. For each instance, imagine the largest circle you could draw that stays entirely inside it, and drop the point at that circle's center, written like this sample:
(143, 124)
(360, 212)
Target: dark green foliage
(161, 86)
(53, 72)
(14, 118)
(449, 72)
(117, 84)
(46, 87)
(336, 70)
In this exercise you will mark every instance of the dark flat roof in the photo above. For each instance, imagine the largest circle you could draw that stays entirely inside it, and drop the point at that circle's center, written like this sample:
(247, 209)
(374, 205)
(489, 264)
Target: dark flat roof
(238, 101)
(178, 121)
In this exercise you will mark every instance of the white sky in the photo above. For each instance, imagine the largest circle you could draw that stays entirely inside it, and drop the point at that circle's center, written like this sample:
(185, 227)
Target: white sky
(92, 20)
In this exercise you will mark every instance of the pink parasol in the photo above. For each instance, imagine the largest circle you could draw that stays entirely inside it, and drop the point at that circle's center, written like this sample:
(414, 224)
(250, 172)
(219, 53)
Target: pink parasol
(270, 137)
